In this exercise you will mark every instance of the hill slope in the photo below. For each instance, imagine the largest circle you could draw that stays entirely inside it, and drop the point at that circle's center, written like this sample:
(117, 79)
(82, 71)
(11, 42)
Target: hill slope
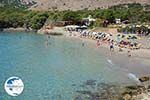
(80, 4)
(70, 4)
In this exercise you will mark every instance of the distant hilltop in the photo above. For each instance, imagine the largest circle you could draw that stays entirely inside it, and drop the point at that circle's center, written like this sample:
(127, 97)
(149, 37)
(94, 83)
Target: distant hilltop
(68, 4)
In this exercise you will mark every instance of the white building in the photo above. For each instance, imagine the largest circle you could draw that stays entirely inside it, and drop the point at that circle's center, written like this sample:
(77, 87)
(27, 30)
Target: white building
(118, 21)
(88, 20)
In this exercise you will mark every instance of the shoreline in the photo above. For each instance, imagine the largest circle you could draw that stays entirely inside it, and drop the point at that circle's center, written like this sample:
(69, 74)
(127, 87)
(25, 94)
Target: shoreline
(137, 55)
(138, 63)
(141, 55)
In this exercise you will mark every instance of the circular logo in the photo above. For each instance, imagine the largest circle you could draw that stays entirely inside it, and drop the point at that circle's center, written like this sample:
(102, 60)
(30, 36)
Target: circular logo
(14, 86)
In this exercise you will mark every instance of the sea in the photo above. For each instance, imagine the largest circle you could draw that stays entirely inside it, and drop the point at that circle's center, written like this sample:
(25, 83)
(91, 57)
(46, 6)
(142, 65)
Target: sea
(62, 69)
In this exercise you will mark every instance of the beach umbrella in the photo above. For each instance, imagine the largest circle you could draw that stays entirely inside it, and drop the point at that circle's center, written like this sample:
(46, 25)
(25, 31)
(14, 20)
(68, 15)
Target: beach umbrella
(147, 26)
(94, 33)
(84, 26)
(138, 25)
(123, 26)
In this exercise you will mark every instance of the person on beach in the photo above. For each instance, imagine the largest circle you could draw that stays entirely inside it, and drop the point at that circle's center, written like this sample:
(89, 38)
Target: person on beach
(112, 45)
(118, 39)
(120, 49)
(129, 53)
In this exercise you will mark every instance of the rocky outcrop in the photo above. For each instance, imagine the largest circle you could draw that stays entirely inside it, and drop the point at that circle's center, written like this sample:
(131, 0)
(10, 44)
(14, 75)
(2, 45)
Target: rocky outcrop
(53, 31)
(93, 90)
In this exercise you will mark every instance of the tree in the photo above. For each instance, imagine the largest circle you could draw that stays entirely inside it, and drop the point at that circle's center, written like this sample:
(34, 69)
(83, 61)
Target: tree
(108, 15)
(38, 21)
(71, 16)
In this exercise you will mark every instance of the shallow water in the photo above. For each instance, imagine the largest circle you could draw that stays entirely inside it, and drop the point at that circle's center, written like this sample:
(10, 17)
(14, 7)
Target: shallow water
(55, 72)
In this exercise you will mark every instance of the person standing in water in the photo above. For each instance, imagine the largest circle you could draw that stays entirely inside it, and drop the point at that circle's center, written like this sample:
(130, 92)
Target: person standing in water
(83, 44)
(112, 45)
(20, 37)
(98, 43)
(49, 36)
(46, 44)
(48, 41)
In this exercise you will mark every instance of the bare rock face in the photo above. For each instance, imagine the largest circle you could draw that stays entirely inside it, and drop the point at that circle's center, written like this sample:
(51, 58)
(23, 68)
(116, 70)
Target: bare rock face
(144, 79)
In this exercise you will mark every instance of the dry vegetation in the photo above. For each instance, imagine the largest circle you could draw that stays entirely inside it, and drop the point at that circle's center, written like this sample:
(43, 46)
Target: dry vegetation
(80, 4)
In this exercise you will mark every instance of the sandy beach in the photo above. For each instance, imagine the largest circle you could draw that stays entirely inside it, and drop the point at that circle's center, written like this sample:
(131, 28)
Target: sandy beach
(141, 54)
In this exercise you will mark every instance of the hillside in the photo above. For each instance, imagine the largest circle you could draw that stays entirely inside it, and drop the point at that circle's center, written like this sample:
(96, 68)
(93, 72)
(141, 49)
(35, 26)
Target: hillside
(68, 4)
(80, 4)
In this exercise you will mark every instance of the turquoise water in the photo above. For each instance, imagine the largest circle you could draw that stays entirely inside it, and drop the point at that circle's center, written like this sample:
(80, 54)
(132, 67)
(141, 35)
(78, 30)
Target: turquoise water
(52, 73)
